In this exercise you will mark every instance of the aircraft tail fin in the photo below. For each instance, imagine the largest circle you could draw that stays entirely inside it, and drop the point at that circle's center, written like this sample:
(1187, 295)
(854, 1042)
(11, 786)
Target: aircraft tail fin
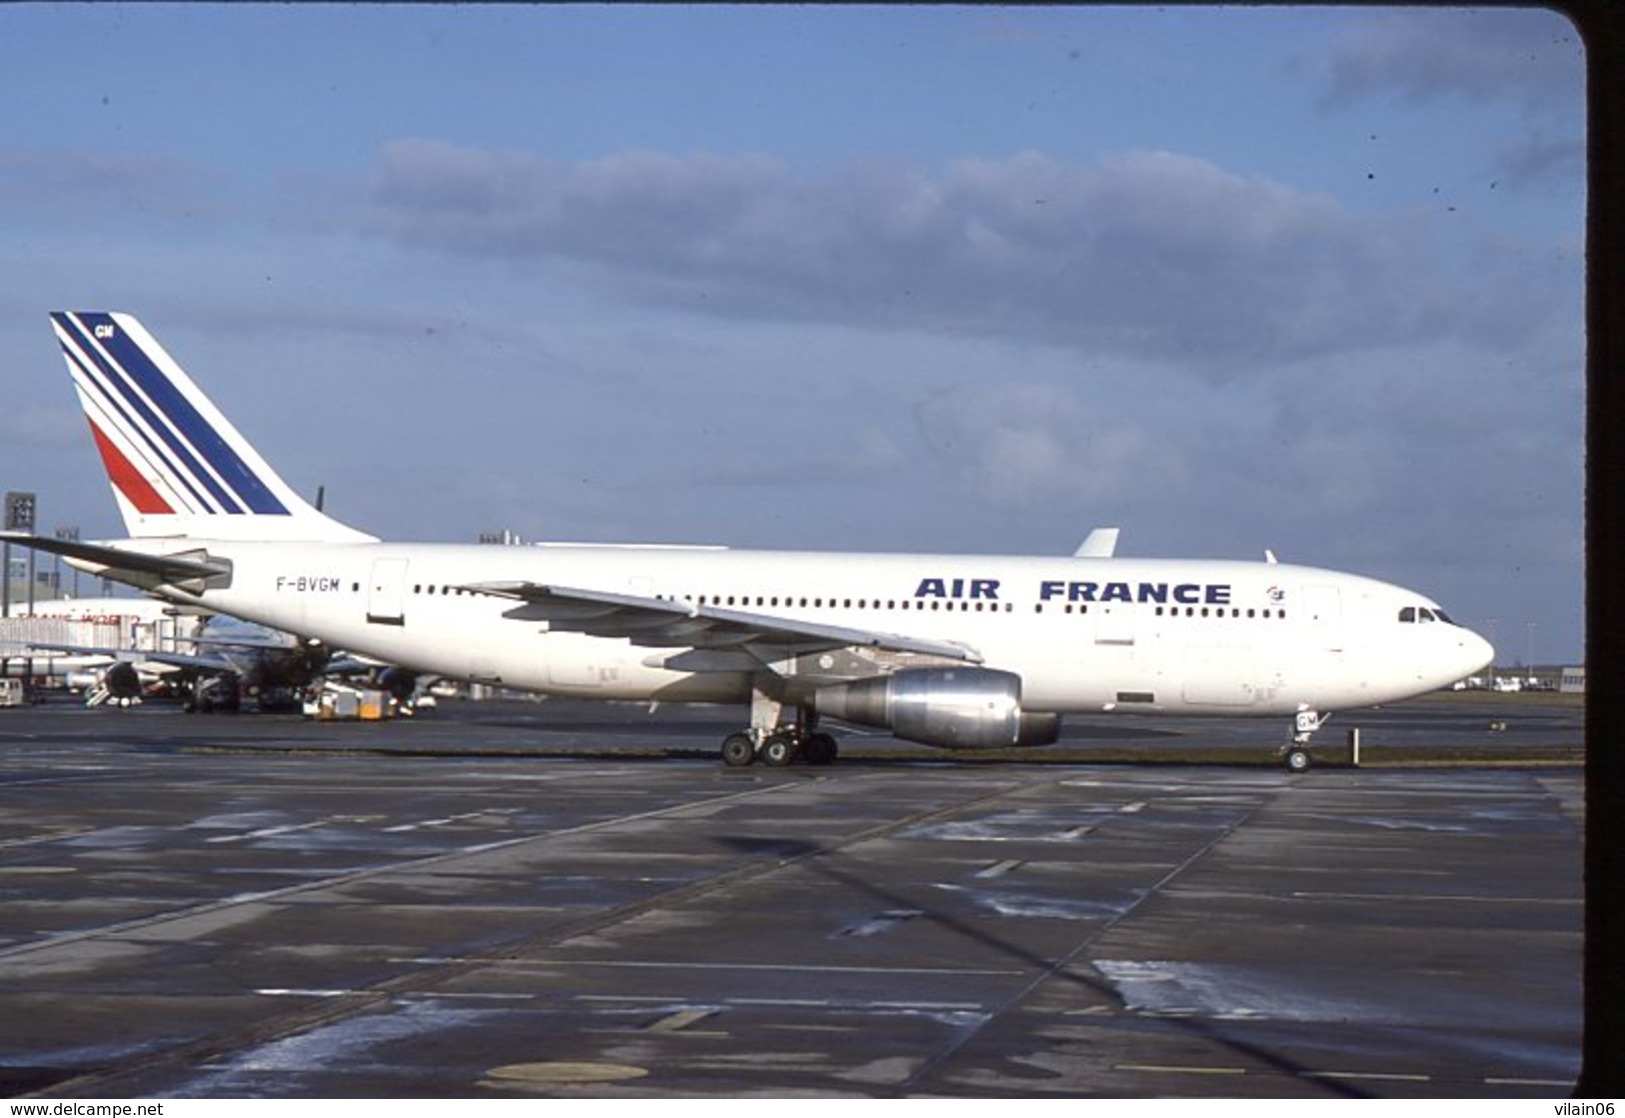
(178, 467)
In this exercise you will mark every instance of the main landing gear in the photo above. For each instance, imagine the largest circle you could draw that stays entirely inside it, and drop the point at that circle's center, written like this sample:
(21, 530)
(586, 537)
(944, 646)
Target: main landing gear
(784, 745)
(1295, 753)
(777, 740)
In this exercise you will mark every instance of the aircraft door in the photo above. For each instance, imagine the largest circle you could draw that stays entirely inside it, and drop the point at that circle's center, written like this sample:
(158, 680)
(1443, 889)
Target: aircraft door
(386, 592)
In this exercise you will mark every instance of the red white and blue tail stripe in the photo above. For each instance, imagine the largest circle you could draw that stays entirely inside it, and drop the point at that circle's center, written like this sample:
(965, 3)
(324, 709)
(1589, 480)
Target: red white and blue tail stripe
(178, 467)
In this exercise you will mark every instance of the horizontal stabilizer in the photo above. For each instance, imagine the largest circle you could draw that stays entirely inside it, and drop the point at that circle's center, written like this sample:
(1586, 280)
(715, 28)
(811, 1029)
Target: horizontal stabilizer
(100, 558)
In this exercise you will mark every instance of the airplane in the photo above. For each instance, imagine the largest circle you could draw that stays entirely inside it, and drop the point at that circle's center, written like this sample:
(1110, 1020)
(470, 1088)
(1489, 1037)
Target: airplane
(238, 659)
(112, 635)
(954, 651)
(121, 649)
(104, 678)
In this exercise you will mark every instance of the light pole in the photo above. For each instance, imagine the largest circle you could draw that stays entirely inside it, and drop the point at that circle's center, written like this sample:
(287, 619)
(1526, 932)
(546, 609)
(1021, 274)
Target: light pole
(19, 518)
(70, 534)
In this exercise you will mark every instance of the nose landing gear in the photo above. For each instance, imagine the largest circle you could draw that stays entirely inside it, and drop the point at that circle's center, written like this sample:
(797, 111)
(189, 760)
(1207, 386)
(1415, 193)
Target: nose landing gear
(1295, 753)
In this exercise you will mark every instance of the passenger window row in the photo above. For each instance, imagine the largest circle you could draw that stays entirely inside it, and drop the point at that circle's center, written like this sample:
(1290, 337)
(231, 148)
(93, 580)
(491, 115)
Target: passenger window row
(747, 601)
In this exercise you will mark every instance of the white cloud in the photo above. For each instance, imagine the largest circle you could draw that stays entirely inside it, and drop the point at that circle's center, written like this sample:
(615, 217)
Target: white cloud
(48, 182)
(1034, 444)
(1149, 254)
(1533, 56)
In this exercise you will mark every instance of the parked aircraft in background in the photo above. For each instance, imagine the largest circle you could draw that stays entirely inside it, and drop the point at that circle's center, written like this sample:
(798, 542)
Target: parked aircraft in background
(119, 650)
(91, 644)
(238, 660)
(949, 650)
(101, 678)
(232, 662)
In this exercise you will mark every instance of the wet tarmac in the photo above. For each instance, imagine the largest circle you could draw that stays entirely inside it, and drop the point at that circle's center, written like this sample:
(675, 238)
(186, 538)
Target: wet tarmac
(559, 899)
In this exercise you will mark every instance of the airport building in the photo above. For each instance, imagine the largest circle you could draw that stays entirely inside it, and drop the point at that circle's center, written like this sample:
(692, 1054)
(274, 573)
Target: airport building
(46, 585)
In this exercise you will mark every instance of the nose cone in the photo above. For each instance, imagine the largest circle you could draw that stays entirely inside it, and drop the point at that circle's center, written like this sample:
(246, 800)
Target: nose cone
(1476, 654)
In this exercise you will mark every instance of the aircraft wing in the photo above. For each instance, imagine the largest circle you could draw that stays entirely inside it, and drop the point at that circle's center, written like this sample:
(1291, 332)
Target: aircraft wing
(344, 663)
(249, 641)
(207, 664)
(32, 650)
(134, 655)
(658, 623)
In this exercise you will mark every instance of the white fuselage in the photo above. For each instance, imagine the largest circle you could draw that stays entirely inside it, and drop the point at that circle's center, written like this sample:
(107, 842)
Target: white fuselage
(1084, 634)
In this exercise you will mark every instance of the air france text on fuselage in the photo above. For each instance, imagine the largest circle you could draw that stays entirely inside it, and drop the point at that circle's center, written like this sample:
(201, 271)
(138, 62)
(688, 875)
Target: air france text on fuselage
(1178, 593)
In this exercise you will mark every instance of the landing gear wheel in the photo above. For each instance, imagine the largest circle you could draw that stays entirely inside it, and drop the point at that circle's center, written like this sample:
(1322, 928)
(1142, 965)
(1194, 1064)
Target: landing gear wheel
(779, 750)
(819, 749)
(1297, 759)
(738, 751)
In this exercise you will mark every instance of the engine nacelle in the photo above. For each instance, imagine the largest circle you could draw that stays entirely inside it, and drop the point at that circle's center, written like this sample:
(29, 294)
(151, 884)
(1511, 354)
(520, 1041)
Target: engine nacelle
(955, 708)
(122, 681)
(399, 682)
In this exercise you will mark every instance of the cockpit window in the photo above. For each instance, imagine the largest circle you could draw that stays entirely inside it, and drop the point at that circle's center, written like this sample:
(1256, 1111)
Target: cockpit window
(1412, 614)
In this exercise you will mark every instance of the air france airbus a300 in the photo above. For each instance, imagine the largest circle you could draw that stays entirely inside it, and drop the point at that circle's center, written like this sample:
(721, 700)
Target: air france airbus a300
(957, 651)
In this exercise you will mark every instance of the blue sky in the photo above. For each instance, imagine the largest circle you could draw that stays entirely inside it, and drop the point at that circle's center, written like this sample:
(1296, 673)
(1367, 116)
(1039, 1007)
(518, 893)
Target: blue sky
(892, 278)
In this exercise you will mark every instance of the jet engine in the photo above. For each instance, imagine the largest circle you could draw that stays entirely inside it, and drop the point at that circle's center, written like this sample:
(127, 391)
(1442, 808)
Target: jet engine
(122, 681)
(399, 682)
(955, 708)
